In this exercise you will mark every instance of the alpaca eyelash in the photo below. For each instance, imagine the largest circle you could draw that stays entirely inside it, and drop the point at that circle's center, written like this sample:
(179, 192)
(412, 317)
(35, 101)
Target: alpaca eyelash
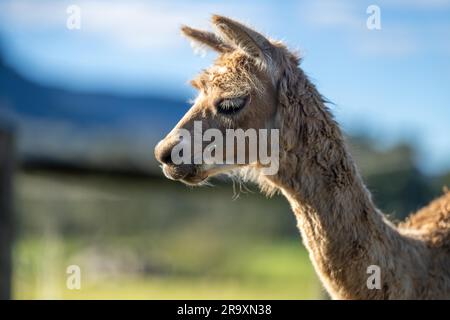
(231, 106)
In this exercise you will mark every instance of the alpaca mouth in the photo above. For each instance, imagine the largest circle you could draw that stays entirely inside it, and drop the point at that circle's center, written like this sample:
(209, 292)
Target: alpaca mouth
(188, 174)
(195, 174)
(194, 180)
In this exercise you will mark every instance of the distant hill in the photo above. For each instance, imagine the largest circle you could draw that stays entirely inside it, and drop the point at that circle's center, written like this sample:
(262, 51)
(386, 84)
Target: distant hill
(89, 129)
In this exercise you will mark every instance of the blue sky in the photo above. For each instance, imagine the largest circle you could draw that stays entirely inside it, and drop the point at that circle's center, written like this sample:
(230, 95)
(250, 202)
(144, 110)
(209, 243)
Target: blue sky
(392, 83)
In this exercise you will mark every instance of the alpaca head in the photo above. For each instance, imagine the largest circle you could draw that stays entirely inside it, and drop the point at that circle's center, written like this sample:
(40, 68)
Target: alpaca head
(239, 91)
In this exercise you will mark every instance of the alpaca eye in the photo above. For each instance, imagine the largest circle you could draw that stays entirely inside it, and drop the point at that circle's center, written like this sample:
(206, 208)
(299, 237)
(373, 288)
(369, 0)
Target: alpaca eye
(231, 106)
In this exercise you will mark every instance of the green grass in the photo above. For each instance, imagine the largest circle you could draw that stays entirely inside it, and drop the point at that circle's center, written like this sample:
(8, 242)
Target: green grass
(270, 271)
(138, 239)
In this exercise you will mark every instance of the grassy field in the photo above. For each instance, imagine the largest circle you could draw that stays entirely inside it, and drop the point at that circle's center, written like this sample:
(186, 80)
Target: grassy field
(154, 239)
(280, 271)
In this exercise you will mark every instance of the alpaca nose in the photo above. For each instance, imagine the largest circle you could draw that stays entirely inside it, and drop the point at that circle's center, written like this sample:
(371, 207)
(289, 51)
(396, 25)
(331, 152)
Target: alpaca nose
(163, 153)
(166, 158)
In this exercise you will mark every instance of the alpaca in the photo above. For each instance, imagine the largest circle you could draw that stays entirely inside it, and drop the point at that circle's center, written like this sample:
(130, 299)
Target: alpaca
(257, 83)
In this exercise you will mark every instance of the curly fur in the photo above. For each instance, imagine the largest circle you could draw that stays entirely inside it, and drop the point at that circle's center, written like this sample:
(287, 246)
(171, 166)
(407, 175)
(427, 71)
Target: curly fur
(341, 227)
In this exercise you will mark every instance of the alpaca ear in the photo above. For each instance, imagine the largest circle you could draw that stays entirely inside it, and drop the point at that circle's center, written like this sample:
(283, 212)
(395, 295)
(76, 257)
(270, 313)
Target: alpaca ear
(250, 41)
(206, 38)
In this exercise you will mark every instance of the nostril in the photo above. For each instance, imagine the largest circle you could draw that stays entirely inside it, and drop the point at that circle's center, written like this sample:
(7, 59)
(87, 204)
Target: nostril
(166, 158)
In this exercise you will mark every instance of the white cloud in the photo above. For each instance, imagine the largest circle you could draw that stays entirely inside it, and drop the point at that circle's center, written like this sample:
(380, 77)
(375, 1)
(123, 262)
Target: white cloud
(329, 13)
(415, 4)
(131, 24)
(397, 38)
(136, 24)
(395, 41)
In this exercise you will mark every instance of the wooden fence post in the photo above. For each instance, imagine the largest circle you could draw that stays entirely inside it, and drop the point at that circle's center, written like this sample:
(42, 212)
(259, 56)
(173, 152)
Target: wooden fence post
(6, 211)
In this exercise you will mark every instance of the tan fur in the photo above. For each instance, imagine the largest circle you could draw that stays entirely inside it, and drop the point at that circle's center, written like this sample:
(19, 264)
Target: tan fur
(432, 223)
(341, 227)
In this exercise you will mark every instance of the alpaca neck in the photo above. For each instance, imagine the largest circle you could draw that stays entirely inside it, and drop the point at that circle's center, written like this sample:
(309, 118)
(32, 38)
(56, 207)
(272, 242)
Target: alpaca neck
(340, 226)
(342, 231)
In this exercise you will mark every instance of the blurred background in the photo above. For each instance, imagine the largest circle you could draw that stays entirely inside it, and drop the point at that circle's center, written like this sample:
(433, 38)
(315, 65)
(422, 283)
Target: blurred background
(82, 109)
